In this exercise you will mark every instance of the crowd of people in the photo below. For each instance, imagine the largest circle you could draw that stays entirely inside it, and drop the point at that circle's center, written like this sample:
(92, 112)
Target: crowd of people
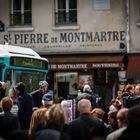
(39, 117)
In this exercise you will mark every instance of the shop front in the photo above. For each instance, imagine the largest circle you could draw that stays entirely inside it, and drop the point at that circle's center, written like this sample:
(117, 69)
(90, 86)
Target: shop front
(133, 69)
(69, 73)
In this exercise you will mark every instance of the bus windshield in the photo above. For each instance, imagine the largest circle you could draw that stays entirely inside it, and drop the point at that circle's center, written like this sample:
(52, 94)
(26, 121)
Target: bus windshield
(30, 78)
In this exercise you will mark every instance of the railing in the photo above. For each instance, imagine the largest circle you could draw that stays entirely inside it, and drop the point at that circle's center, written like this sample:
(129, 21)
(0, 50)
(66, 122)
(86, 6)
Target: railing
(65, 18)
(21, 19)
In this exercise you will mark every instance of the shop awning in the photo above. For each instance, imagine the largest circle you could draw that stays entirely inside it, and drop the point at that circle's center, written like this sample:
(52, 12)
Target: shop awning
(90, 61)
(133, 69)
(86, 58)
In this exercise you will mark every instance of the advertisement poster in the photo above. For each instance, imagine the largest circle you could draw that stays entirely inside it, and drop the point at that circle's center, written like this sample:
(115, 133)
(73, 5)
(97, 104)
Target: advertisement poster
(85, 79)
(71, 110)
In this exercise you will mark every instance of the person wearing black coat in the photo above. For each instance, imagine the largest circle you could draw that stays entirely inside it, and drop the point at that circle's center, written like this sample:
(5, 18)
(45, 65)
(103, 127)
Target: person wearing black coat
(25, 105)
(86, 127)
(39, 93)
(8, 121)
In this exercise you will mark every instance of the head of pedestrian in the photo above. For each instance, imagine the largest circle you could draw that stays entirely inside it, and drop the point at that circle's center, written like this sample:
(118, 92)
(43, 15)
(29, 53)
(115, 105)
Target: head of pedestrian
(6, 104)
(20, 88)
(47, 99)
(137, 89)
(98, 112)
(122, 117)
(84, 106)
(55, 117)
(43, 86)
(65, 103)
(112, 117)
(87, 89)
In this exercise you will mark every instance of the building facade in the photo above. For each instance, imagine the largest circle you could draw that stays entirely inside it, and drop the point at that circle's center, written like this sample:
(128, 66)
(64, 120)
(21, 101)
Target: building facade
(85, 41)
(132, 40)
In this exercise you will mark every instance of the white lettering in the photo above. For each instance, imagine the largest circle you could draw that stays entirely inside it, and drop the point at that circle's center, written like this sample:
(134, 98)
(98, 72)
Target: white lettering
(106, 65)
(68, 66)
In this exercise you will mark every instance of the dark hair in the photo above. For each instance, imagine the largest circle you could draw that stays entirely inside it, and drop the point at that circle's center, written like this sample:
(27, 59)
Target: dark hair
(21, 87)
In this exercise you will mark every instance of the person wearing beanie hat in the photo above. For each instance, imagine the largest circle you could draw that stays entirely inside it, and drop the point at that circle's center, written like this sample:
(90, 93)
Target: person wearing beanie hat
(47, 98)
(38, 94)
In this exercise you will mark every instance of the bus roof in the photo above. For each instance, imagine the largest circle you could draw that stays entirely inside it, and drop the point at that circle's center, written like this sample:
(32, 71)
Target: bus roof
(11, 50)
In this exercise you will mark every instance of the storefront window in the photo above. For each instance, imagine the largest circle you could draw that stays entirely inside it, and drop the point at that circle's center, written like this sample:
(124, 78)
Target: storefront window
(103, 77)
(66, 84)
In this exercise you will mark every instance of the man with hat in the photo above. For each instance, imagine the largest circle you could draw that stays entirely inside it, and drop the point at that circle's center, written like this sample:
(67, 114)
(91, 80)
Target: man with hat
(38, 94)
(47, 98)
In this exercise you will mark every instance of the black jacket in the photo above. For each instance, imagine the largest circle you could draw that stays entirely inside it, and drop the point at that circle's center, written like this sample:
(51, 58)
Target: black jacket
(37, 98)
(85, 127)
(8, 123)
(25, 104)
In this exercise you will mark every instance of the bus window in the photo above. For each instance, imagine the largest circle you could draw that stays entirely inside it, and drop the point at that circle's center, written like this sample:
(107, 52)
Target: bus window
(30, 78)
